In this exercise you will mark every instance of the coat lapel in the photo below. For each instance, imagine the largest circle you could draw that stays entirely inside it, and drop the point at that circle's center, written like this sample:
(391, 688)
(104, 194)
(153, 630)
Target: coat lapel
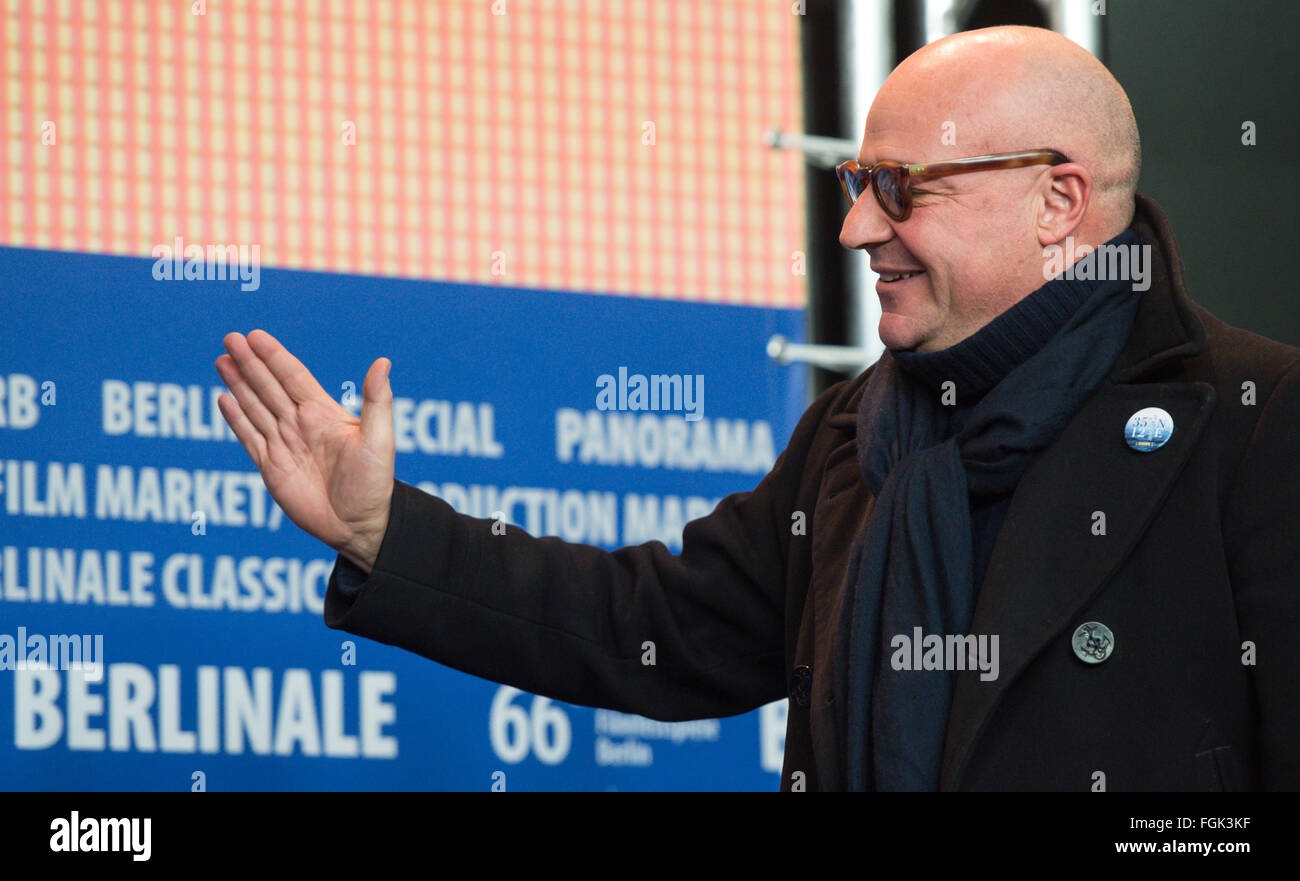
(1047, 564)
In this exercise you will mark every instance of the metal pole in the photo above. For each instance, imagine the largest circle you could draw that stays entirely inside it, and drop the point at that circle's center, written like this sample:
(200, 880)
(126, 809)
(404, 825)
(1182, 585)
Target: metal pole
(866, 55)
(1076, 20)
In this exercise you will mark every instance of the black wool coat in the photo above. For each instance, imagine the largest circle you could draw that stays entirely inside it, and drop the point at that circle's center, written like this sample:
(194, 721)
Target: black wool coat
(1197, 576)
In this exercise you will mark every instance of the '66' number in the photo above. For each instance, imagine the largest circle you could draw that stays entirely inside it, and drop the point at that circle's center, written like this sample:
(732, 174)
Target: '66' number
(544, 728)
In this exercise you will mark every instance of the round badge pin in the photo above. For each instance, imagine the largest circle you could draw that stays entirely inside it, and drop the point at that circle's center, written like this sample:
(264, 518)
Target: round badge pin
(1148, 429)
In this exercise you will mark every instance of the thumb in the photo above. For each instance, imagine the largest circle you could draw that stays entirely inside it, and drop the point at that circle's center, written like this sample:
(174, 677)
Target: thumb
(377, 406)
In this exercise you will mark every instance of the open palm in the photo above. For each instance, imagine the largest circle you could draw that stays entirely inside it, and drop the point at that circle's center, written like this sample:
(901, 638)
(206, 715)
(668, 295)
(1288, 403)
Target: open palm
(330, 472)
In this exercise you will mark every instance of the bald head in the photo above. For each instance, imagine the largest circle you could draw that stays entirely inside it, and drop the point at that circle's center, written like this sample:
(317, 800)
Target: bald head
(1020, 88)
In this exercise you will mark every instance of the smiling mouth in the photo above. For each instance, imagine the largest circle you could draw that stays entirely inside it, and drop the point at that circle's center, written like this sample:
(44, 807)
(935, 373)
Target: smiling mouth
(898, 276)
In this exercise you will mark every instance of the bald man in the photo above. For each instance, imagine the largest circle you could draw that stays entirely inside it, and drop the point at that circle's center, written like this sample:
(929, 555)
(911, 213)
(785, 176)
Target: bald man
(1048, 541)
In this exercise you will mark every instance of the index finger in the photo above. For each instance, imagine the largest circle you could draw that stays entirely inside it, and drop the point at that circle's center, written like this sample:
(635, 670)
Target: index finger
(292, 374)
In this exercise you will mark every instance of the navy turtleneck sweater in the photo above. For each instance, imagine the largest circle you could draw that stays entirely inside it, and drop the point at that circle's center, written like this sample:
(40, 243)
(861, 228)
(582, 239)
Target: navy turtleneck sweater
(979, 362)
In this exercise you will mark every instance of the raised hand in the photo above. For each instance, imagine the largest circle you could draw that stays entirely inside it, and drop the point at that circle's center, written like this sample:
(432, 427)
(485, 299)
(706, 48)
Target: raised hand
(330, 472)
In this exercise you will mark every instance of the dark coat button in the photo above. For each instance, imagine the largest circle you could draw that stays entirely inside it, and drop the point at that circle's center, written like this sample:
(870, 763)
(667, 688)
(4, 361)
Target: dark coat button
(1093, 642)
(801, 685)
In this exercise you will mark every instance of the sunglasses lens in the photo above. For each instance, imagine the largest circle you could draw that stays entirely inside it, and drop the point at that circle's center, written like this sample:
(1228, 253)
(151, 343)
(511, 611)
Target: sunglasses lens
(890, 188)
(851, 180)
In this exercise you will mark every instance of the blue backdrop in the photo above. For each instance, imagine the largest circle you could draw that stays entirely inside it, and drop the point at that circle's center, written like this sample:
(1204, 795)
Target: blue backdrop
(129, 513)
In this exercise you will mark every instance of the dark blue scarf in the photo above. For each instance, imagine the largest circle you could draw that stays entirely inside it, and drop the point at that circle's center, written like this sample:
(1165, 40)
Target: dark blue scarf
(912, 566)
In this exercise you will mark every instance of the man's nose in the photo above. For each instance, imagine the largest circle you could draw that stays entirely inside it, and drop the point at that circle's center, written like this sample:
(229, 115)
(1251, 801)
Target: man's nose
(865, 225)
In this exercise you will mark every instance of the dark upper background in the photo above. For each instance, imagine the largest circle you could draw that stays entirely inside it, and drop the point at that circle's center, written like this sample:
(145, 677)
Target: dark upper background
(1195, 70)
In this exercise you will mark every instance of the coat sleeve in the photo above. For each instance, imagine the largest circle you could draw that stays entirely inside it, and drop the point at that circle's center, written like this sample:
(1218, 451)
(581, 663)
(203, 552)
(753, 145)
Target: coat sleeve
(571, 621)
(1262, 535)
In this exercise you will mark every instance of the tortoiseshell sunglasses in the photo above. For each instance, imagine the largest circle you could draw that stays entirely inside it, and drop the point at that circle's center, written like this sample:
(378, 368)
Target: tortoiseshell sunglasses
(892, 181)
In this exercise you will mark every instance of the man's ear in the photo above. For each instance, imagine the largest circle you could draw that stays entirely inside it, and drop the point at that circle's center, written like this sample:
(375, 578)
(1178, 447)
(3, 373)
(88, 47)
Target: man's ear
(1068, 189)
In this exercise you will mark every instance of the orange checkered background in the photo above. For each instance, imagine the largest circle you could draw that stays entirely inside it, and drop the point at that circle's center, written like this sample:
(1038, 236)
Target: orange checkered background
(506, 149)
